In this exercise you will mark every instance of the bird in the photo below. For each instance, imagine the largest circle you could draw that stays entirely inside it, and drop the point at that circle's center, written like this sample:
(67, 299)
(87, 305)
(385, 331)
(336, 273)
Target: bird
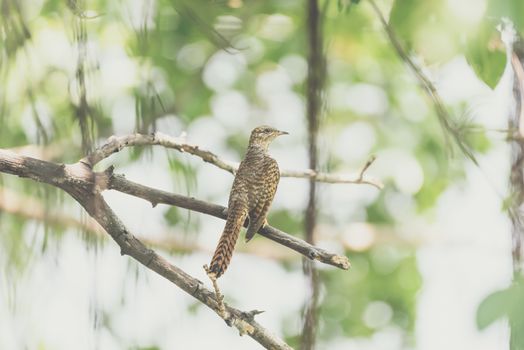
(251, 195)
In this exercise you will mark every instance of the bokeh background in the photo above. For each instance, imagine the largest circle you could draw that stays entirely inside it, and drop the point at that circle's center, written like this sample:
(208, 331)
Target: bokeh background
(426, 250)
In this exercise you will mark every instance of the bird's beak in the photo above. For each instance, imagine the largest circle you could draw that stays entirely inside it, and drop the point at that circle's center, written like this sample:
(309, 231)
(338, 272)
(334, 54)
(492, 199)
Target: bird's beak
(282, 133)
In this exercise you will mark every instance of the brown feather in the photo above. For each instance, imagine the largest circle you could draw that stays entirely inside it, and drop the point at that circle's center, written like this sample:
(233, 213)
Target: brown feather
(224, 251)
(253, 190)
(265, 189)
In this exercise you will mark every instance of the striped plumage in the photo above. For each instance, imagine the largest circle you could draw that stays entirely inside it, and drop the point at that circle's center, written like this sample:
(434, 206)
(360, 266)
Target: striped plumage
(253, 190)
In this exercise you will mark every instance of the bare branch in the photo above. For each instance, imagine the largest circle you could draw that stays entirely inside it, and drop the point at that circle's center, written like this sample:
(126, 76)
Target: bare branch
(55, 173)
(84, 186)
(130, 245)
(370, 161)
(116, 143)
(121, 184)
(442, 113)
(333, 178)
(30, 208)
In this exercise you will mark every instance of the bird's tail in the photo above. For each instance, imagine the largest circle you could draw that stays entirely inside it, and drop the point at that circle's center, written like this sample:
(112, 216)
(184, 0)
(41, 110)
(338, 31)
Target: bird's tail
(224, 251)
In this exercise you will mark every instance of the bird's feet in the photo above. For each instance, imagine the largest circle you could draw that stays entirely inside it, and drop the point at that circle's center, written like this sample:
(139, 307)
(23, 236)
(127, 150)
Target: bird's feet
(219, 297)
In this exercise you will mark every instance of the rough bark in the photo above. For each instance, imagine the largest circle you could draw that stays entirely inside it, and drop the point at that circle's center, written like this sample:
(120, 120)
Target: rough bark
(516, 180)
(85, 187)
(315, 84)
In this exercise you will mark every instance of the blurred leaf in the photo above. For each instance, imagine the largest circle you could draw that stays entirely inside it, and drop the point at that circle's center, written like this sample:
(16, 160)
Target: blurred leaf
(286, 221)
(51, 6)
(387, 274)
(195, 11)
(173, 216)
(377, 212)
(479, 141)
(294, 340)
(430, 192)
(406, 16)
(485, 53)
(494, 307)
(512, 9)
(426, 27)
(194, 307)
(345, 5)
(507, 302)
(14, 29)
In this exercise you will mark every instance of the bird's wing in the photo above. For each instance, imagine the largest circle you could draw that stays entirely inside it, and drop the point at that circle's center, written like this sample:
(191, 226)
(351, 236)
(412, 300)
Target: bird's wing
(265, 188)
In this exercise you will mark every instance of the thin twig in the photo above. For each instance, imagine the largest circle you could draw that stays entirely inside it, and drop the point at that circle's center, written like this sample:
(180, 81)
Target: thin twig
(442, 113)
(116, 143)
(370, 161)
(154, 196)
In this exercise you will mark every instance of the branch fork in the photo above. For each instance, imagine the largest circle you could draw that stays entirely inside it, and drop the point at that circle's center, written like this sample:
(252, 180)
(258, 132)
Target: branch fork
(116, 143)
(86, 187)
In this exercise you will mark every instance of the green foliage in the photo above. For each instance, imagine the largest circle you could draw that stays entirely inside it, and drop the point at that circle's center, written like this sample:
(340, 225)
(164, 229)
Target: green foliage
(506, 303)
(345, 5)
(405, 16)
(377, 212)
(16, 248)
(478, 141)
(497, 305)
(423, 26)
(170, 53)
(173, 216)
(511, 9)
(238, 143)
(484, 54)
(286, 221)
(14, 30)
(386, 276)
(428, 28)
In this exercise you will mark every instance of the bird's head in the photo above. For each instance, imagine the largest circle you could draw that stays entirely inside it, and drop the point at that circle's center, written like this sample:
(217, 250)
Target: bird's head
(263, 135)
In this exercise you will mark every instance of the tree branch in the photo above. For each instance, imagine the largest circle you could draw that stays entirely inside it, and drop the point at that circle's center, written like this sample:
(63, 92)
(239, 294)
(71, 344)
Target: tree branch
(85, 186)
(54, 174)
(443, 115)
(32, 209)
(130, 245)
(116, 143)
(516, 177)
(316, 78)
(121, 184)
